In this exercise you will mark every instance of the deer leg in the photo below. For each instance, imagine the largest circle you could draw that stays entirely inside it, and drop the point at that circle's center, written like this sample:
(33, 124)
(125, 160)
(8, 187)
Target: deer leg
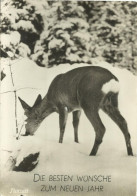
(63, 114)
(115, 115)
(99, 128)
(76, 116)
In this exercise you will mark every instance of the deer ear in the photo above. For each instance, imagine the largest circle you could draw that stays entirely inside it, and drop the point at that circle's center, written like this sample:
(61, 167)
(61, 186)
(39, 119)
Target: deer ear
(24, 105)
(38, 100)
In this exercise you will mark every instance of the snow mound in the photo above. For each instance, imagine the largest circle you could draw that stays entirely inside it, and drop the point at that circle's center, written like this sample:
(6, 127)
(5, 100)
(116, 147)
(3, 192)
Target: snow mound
(68, 157)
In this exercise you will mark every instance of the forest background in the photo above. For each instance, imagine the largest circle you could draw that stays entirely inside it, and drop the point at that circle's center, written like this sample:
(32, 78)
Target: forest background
(57, 32)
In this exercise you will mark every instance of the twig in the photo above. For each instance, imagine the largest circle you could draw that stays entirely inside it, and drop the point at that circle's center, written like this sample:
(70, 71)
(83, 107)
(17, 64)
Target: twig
(27, 88)
(7, 92)
(11, 74)
(20, 89)
(15, 94)
(20, 130)
(17, 60)
(6, 150)
(16, 112)
(11, 157)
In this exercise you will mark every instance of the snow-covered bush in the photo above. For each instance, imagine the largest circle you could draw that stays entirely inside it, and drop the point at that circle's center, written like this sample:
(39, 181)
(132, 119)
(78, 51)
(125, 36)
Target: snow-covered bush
(113, 29)
(24, 18)
(57, 32)
(66, 40)
(10, 44)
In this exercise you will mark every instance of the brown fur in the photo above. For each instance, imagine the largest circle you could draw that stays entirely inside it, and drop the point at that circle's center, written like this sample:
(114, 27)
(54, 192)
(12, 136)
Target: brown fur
(76, 90)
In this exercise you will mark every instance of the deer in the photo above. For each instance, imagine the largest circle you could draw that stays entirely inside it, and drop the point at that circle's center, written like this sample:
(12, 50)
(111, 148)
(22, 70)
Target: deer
(88, 88)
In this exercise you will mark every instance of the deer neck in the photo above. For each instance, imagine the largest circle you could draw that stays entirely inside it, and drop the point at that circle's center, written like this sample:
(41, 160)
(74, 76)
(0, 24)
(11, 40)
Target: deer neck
(45, 108)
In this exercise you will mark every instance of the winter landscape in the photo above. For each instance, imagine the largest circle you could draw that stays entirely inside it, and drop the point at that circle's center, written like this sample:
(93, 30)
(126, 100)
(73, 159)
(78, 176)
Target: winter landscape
(27, 71)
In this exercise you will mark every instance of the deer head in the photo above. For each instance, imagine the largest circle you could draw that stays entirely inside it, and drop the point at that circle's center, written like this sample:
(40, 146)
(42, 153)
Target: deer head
(33, 117)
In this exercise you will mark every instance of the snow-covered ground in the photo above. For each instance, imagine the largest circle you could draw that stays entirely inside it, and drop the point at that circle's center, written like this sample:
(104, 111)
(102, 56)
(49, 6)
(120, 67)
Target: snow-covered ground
(68, 158)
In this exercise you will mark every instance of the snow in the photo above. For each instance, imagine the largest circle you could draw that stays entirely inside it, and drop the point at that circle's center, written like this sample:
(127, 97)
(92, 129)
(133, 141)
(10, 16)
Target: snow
(9, 13)
(73, 57)
(25, 25)
(10, 39)
(68, 158)
(23, 49)
(80, 35)
(64, 25)
(55, 43)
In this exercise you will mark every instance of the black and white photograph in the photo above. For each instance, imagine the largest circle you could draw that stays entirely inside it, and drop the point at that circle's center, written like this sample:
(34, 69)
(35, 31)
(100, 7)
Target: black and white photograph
(68, 98)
